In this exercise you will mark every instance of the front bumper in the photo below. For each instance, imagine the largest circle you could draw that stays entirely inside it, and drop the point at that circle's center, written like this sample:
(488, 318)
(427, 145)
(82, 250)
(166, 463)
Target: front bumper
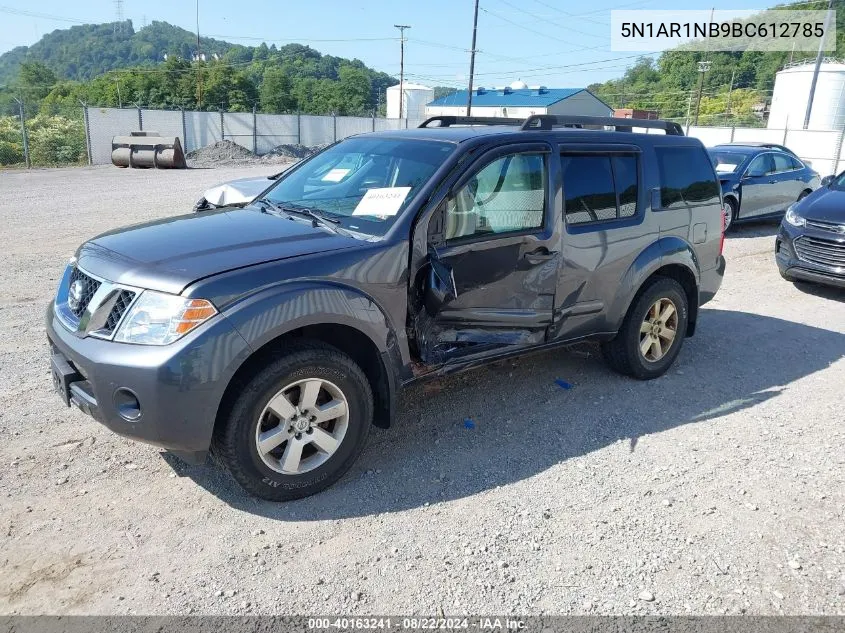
(178, 387)
(793, 268)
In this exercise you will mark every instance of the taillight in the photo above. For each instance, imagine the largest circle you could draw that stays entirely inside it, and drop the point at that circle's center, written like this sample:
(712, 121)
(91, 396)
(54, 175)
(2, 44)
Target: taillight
(722, 239)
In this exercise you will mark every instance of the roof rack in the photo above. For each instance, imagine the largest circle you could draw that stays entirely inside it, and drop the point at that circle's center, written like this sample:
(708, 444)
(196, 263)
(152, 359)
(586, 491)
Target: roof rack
(448, 120)
(549, 121)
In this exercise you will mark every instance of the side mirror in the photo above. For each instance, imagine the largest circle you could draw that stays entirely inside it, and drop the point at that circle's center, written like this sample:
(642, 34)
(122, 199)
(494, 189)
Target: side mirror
(439, 287)
(827, 180)
(757, 173)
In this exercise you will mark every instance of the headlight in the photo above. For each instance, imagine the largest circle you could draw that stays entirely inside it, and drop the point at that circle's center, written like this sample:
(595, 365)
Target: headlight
(157, 318)
(793, 218)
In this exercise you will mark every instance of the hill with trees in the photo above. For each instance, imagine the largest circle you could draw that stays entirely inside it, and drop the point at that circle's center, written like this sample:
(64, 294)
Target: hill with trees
(156, 67)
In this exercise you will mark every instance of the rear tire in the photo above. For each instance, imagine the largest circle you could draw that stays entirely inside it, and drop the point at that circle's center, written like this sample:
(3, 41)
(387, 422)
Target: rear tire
(731, 209)
(652, 333)
(275, 440)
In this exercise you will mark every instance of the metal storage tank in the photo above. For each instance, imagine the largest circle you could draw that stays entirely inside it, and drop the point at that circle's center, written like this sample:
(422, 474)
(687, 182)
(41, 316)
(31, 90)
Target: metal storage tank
(792, 90)
(416, 96)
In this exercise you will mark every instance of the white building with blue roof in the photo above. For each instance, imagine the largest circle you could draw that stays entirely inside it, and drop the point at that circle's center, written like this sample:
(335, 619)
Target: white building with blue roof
(519, 101)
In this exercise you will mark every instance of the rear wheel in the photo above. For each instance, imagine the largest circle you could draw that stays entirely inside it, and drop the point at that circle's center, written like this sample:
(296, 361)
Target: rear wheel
(298, 424)
(731, 209)
(652, 333)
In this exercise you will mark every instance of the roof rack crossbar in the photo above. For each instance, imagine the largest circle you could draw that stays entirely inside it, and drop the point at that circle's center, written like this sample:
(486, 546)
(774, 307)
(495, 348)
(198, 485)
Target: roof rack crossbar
(549, 121)
(448, 120)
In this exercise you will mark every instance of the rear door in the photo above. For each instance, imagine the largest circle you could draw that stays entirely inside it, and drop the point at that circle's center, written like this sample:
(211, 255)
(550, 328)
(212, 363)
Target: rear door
(760, 193)
(788, 179)
(603, 211)
(495, 256)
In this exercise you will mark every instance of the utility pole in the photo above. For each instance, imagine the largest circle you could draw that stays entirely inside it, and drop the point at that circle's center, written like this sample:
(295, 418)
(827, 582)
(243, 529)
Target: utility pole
(819, 58)
(730, 90)
(472, 59)
(703, 67)
(199, 61)
(401, 28)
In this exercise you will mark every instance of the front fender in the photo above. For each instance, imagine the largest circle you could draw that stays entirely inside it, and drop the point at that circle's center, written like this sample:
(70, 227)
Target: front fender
(665, 251)
(269, 314)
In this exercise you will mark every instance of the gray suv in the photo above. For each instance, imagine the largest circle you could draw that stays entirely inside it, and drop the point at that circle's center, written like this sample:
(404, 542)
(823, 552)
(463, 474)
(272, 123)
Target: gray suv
(276, 334)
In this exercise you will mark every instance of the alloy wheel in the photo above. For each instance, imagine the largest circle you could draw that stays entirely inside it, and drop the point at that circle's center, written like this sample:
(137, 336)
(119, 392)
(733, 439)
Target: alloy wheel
(302, 426)
(658, 330)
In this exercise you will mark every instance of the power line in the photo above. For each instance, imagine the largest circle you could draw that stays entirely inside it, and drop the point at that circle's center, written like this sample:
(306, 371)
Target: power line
(563, 26)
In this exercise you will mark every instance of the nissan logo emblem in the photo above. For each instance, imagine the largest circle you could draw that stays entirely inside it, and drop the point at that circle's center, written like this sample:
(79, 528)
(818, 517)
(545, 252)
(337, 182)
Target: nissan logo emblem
(74, 295)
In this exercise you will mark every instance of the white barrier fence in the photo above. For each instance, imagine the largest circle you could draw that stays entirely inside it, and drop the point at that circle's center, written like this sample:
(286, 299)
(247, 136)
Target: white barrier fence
(260, 133)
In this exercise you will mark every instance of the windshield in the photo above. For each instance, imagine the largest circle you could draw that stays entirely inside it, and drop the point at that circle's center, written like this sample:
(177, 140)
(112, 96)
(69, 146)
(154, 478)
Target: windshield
(726, 162)
(365, 183)
(838, 182)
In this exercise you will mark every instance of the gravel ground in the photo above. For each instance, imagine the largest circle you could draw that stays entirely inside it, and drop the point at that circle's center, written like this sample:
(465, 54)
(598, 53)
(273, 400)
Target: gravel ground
(718, 488)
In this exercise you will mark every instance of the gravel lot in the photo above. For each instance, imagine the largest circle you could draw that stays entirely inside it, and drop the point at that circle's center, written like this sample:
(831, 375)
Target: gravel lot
(718, 488)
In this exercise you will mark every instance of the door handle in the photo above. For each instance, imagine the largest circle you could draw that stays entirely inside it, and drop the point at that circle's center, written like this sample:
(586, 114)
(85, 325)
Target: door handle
(539, 256)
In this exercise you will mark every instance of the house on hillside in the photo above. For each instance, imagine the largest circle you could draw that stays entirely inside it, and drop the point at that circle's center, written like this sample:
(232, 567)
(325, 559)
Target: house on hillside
(519, 101)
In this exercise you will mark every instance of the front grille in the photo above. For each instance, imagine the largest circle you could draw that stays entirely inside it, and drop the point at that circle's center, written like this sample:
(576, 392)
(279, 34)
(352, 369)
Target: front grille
(79, 299)
(123, 301)
(822, 252)
(827, 226)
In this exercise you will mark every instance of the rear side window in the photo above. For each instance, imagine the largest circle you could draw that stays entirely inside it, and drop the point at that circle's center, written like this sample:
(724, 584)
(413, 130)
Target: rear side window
(783, 163)
(686, 177)
(598, 188)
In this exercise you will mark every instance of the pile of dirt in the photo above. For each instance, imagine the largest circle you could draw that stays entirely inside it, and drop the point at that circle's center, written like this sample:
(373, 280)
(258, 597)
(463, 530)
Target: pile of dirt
(220, 153)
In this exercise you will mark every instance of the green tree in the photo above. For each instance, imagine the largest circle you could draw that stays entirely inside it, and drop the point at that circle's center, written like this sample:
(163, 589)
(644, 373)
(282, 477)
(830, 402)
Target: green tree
(276, 91)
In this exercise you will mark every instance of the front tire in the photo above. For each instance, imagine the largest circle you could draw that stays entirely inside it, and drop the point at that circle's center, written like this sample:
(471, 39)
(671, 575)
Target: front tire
(298, 424)
(652, 333)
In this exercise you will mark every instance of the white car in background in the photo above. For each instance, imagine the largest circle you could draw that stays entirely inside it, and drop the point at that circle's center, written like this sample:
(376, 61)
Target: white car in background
(235, 192)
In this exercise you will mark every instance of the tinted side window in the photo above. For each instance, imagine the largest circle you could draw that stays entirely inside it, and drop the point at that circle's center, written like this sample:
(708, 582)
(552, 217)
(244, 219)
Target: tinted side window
(507, 195)
(625, 172)
(763, 165)
(796, 164)
(599, 188)
(686, 177)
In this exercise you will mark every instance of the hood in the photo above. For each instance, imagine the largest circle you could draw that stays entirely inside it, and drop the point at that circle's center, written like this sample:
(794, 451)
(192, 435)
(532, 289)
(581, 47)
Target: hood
(238, 191)
(170, 254)
(825, 204)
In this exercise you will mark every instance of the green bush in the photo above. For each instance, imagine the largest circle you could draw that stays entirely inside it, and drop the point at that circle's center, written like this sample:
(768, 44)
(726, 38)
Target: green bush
(53, 140)
(11, 146)
(56, 140)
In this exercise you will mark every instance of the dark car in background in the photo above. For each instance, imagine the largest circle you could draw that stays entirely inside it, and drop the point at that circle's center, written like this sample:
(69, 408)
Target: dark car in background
(810, 245)
(760, 180)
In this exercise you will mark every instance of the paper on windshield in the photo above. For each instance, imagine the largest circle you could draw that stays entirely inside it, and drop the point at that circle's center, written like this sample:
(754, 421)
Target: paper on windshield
(335, 175)
(383, 202)
(725, 167)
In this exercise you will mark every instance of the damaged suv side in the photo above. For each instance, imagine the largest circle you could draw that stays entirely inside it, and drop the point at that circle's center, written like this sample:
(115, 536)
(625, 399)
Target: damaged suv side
(281, 331)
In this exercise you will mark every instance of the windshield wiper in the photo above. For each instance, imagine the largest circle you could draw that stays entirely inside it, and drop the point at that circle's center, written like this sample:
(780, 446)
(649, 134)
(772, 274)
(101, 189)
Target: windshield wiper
(265, 202)
(316, 218)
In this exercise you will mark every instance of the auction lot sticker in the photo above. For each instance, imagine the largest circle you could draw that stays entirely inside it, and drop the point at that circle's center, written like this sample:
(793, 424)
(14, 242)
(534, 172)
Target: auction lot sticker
(383, 202)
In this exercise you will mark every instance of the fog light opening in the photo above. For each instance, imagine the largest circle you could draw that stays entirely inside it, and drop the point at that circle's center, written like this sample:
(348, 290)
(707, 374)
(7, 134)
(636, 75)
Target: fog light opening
(127, 405)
